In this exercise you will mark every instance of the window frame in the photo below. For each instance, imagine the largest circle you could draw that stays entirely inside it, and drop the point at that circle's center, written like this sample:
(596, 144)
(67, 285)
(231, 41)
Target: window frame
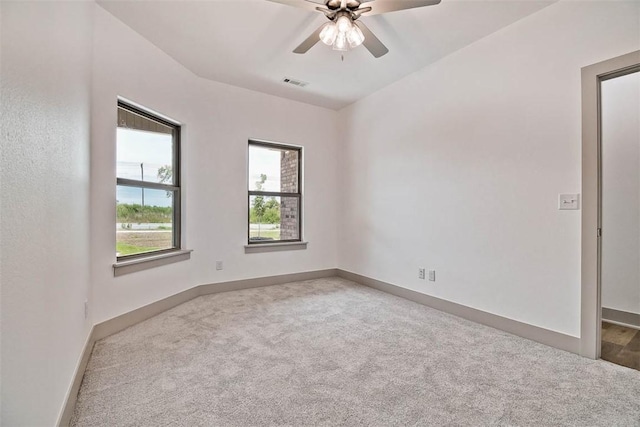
(175, 187)
(298, 195)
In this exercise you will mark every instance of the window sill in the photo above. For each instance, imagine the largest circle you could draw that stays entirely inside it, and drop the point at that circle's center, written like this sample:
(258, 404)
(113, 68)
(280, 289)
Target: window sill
(274, 247)
(151, 261)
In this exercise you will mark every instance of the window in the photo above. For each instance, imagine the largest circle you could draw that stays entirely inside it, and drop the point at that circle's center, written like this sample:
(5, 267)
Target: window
(147, 184)
(275, 193)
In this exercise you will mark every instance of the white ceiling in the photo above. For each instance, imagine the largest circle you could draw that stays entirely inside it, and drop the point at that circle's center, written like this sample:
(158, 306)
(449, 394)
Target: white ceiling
(249, 43)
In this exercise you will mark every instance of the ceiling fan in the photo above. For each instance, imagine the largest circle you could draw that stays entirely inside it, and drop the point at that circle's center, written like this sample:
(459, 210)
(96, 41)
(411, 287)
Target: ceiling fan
(344, 31)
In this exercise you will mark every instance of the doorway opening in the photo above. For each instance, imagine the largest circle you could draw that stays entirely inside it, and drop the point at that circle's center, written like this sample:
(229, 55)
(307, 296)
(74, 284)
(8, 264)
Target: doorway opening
(620, 218)
(610, 319)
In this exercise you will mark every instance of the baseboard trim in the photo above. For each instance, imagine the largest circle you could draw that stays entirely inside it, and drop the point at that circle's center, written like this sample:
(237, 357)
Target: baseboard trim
(123, 321)
(72, 395)
(619, 316)
(259, 282)
(524, 330)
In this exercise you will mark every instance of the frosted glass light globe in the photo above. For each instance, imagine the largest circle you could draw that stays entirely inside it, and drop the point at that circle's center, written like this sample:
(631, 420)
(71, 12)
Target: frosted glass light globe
(355, 36)
(341, 42)
(344, 24)
(329, 33)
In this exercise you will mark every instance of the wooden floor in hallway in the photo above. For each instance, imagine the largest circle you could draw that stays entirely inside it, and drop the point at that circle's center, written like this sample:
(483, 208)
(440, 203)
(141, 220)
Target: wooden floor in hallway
(621, 345)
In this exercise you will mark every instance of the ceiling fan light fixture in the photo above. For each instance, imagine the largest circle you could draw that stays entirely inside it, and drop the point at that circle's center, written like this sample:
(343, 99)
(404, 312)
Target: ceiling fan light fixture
(329, 33)
(341, 33)
(355, 37)
(345, 32)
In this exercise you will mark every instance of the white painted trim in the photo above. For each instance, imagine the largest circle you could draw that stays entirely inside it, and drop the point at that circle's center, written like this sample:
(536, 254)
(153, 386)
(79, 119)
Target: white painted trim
(125, 320)
(151, 261)
(133, 317)
(259, 282)
(274, 247)
(64, 418)
(590, 316)
(524, 330)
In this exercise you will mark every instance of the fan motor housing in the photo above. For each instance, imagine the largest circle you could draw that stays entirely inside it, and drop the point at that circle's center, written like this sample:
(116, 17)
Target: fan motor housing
(335, 4)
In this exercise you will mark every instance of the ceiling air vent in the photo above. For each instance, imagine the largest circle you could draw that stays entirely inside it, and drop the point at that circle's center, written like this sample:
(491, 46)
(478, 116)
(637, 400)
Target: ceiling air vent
(294, 82)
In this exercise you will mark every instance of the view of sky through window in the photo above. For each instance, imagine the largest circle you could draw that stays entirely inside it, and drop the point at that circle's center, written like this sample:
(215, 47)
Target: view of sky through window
(140, 156)
(264, 161)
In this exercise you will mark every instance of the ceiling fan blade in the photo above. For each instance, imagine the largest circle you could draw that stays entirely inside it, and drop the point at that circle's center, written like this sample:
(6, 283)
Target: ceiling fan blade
(310, 41)
(371, 42)
(304, 4)
(385, 6)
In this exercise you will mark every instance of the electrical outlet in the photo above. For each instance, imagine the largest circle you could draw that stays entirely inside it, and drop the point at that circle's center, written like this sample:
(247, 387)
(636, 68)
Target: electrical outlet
(432, 275)
(421, 273)
(218, 265)
(86, 309)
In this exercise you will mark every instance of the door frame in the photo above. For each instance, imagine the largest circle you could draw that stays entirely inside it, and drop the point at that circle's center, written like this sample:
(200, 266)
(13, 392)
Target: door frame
(591, 309)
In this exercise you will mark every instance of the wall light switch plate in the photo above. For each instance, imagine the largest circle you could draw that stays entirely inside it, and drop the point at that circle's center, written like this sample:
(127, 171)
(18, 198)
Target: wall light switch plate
(568, 202)
(219, 265)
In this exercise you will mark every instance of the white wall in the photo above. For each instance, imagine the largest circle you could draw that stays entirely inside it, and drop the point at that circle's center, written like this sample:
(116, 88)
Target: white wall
(458, 167)
(44, 262)
(218, 121)
(621, 193)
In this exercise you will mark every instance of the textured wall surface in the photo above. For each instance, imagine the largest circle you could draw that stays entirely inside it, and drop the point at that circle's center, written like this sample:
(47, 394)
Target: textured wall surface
(463, 174)
(218, 121)
(456, 168)
(44, 262)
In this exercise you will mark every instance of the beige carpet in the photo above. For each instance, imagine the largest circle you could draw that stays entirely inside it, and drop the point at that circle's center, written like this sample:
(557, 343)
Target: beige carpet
(330, 352)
